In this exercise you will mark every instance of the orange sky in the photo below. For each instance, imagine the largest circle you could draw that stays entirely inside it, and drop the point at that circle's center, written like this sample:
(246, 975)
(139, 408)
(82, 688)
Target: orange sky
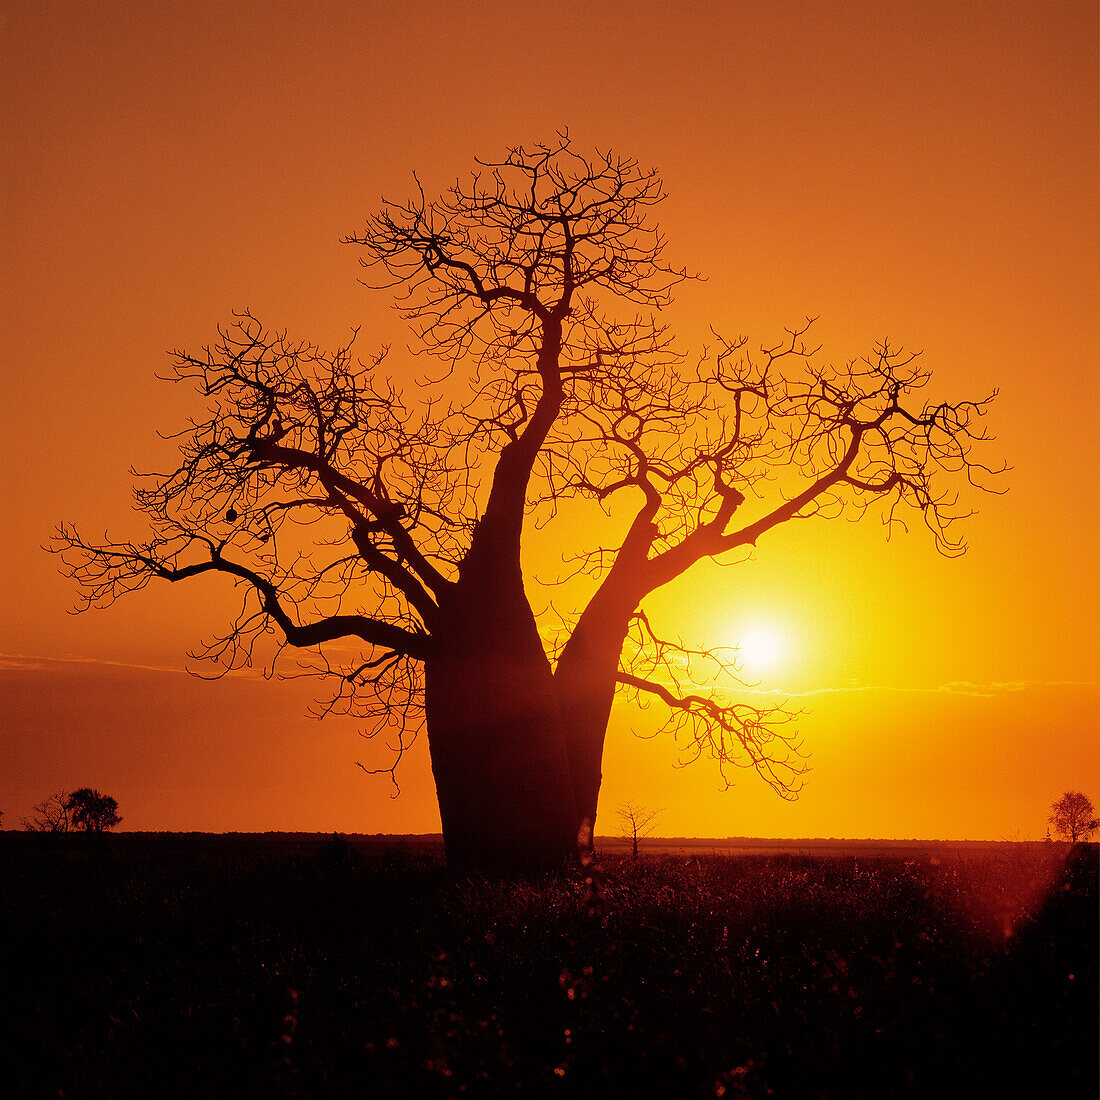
(923, 171)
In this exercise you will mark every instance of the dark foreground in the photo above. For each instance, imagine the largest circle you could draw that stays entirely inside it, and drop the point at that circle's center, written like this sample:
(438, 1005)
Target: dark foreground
(214, 970)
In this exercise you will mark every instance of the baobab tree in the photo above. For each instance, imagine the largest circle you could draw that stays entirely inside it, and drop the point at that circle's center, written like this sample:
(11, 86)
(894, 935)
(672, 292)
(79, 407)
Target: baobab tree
(350, 512)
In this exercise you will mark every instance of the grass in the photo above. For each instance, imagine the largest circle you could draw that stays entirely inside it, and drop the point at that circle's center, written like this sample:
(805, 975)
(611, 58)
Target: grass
(209, 971)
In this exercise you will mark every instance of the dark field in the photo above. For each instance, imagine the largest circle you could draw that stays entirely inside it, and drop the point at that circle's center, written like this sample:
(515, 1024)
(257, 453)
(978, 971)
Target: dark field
(234, 967)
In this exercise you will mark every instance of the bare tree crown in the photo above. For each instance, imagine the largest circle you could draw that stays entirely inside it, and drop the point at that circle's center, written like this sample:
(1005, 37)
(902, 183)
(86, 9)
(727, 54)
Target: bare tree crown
(345, 511)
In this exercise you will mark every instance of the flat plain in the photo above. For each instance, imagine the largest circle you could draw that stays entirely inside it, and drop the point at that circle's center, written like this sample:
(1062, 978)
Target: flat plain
(303, 965)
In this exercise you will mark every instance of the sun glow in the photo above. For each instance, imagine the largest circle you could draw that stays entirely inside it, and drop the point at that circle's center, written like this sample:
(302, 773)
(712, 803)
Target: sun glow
(760, 649)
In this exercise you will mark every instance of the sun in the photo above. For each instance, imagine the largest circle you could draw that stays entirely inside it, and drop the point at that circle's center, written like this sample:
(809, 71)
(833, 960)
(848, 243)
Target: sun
(760, 649)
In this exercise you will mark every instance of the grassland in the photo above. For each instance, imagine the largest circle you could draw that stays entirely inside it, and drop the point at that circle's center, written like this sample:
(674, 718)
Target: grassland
(227, 967)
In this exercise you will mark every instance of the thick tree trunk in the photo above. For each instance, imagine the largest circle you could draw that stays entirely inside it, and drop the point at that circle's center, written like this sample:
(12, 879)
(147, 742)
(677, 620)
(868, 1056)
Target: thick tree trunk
(495, 726)
(495, 734)
(586, 688)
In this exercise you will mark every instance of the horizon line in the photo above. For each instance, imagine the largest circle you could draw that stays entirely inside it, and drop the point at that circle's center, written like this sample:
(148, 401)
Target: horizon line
(32, 662)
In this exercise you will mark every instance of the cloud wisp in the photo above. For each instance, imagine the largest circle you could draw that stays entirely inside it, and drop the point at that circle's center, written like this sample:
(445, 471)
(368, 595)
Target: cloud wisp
(27, 662)
(988, 690)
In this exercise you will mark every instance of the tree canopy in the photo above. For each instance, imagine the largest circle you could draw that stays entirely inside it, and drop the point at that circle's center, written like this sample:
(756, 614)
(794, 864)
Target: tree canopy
(354, 513)
(92, 812)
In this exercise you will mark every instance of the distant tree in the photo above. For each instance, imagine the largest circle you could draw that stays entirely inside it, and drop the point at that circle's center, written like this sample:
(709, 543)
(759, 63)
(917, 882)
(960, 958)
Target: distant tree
(51, 815)
(637, 822)
(92, 812)
(1074, 816)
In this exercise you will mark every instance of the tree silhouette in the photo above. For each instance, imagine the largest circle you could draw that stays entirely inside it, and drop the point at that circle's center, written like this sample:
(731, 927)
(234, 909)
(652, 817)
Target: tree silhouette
(348, 512)
(51, 815)
(92, 812)
(84, 810)
(637, 823)
(1074, 816)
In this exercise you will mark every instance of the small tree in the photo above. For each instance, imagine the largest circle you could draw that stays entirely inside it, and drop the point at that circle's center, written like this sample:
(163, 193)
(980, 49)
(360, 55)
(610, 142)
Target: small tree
(1074, 816)
(637, 822)
(92, 812)
(51, 815)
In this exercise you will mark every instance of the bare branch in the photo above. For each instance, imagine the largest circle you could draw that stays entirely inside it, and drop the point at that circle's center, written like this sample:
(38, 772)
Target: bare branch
(732, 734)
(107, 571)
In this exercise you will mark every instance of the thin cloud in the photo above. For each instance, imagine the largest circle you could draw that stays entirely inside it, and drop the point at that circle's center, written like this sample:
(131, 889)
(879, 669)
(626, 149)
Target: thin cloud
(25, 662)
(954, 687)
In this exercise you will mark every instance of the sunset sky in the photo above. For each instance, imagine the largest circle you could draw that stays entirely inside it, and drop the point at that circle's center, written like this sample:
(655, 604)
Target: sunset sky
(926, 171)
